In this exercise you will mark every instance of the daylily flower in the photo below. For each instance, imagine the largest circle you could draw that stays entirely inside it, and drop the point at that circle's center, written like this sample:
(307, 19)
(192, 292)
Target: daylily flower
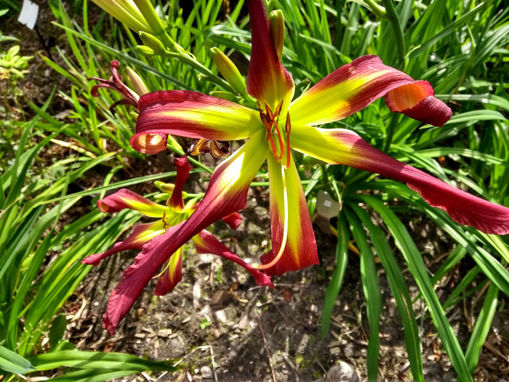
(172, 214)
(278, 126)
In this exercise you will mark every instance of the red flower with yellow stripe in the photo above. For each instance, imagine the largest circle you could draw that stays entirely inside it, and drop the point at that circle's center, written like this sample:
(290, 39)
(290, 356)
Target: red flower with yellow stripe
(168, 215)
(279, 125)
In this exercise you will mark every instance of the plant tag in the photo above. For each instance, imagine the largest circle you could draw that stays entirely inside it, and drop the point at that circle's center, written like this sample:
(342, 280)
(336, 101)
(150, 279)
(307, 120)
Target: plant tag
(28, 15)
(326, 206)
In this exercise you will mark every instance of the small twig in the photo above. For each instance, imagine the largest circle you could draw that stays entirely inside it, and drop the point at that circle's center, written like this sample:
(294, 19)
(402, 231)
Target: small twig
(266, 345)
(213, 363)
(282, 314)
(292, 366)
(495, 351)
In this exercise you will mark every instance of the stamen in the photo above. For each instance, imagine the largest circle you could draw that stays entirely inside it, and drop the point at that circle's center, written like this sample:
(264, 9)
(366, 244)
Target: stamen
(278, 108)
(276, 259)
(281, 144)
(278, 139)
(269, 113)
(288, 127)
(217, 149)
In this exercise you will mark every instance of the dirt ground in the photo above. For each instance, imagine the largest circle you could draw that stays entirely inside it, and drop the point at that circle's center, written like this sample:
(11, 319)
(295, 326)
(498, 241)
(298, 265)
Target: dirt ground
(219, 325)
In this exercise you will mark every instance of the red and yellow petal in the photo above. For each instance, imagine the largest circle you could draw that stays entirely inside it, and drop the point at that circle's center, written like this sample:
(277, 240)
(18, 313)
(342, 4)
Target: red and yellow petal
(172, 275)
(193, 115)
(125, 198)
(150, 143)
(227, 192)
(354, 86)
(341, 146)
(183, 169)
(142, 234)
(268, 80)
(300, 248)
(207, 243)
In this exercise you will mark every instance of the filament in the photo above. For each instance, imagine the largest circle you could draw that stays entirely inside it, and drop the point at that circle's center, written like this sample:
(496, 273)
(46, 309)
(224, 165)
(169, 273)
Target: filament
(285, 227)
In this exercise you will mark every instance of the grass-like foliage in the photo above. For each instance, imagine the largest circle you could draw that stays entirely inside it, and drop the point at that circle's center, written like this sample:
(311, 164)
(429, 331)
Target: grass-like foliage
(458, 46)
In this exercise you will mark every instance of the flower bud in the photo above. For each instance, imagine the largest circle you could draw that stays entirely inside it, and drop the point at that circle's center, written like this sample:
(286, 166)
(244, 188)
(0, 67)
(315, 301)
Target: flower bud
(152, 42)
(229, 71)
(229, 96)
(145, 50)
(136, 82)
(164, 187)
(149, 13)
(277, 30)
(126, 12)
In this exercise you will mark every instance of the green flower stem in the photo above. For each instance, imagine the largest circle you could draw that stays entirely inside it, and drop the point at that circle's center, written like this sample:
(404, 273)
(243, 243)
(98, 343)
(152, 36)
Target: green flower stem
(378, 10)
(396, 27)
(390, 131)
(171, 44)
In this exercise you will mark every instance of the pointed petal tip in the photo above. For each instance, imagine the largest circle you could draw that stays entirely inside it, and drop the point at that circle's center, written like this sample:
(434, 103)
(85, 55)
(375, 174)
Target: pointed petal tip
(417, 100)
(92, 259)
(205, 242)
(108, 325)
(462, 207)
(183, 170)
(233, 220)
(267, 80)
(149, 143)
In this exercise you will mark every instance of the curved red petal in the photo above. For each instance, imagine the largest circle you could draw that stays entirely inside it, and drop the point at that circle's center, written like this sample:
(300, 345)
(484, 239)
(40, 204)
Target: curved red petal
(125, 198)
(300, 248)
(268, 80)
(207, 243)
(345, 147)
(233, 220)
(193, 115)
(354, 86)
(150, 143)
(142, 234)
(172, 276)
(183, 169)
(418, 102)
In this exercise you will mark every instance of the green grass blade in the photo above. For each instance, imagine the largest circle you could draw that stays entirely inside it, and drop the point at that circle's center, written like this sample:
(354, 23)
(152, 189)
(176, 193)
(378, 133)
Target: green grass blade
(97, 360)
(417, 268)
(372, 294)
(336, 282)
(399, 291)
(14, 363)
(482, 327)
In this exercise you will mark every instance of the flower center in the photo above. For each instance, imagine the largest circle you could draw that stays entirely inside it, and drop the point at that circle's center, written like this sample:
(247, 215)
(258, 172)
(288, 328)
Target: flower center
(174, 218)
(277, 137)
